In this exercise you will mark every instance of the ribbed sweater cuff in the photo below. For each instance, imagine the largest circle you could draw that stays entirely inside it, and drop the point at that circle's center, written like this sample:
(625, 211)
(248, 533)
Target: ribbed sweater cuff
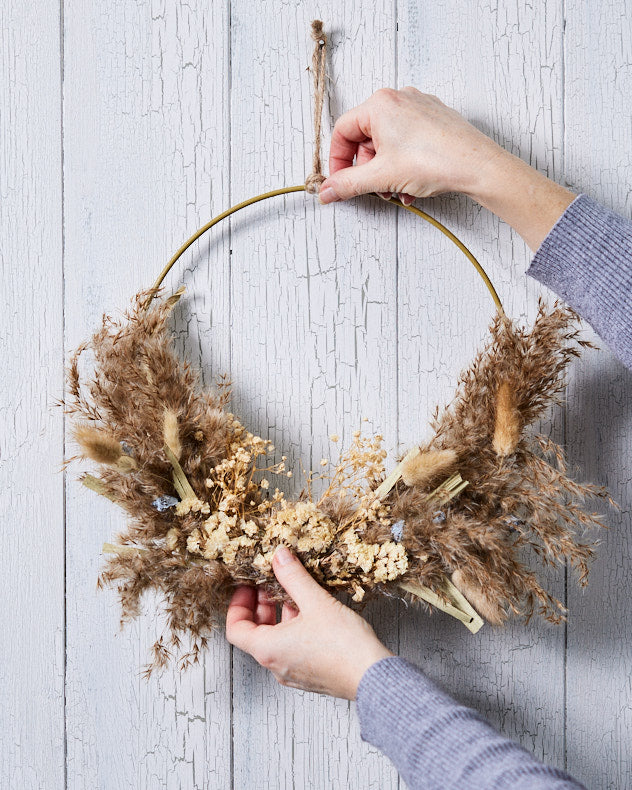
(587, 260)
(435, 742)
(395, 690)
(401, 712)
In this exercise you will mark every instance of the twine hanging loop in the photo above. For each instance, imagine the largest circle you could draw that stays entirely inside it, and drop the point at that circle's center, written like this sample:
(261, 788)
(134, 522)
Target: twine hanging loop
(316, 177)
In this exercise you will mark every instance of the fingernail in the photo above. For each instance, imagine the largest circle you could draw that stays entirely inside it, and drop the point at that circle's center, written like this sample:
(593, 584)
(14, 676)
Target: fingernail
(283, 555)
(407, 200)
(328, 195)
(385, 195)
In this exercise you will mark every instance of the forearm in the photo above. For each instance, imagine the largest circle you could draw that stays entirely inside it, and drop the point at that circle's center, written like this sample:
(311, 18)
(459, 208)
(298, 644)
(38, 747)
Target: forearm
(434, 742)
(583, 250)
(521, 196)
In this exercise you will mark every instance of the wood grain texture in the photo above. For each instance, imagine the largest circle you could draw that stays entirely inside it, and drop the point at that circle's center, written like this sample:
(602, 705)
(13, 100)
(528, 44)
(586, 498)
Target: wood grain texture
(146, 140)
(513, 675)
(313, 306)
(166, 114)
(31, 427)
(598, 126)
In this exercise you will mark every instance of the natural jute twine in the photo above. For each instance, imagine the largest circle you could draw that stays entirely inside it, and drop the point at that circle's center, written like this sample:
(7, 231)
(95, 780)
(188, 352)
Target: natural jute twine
(316, 177)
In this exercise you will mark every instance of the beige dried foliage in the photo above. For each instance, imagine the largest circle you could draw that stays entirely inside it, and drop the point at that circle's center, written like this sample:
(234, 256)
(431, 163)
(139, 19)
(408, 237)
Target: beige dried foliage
(229, 516)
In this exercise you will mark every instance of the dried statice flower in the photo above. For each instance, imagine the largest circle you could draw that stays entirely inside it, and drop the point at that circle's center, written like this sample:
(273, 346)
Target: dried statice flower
(205, 515)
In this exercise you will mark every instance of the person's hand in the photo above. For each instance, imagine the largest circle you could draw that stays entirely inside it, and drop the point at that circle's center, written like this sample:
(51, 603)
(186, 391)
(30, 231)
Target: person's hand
(408, 143)
(324, 646)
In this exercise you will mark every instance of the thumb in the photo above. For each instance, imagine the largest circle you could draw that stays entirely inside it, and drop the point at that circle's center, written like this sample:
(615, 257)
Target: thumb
(352, 181)
(304, 590)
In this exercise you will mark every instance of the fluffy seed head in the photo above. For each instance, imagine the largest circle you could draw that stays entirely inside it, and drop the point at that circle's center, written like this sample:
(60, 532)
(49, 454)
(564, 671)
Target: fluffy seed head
(507, 427)
(98, 445)
(421, 468)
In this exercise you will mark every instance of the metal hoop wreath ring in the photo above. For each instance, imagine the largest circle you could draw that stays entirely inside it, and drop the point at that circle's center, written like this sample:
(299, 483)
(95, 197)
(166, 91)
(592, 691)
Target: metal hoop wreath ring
(286, 190)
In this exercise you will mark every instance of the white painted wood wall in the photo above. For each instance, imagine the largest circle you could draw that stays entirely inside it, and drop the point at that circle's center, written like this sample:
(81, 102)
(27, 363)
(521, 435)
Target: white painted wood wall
(124, 127)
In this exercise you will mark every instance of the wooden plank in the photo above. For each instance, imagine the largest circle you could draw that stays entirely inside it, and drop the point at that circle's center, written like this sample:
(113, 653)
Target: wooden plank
(146, 114)
(501, 67)
(31, 335)
(314, 336)
(598, 58)
(146, 147)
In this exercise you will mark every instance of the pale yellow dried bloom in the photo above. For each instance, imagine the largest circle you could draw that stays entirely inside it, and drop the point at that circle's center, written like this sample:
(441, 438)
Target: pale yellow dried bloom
(230, 549)
(214, 542)
(265, 483)
(219, 519)
(358, 594)
(323, 462)
(191, 505)
(391, 562)
(171, 541)
(250, 528)
(263, 562)
(359, 553)
(334, 437)
(193, 542)
(300, 525)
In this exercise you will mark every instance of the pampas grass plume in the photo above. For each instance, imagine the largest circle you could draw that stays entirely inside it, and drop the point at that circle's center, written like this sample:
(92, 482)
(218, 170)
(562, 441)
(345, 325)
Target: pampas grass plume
(422, 467)
(507, 427)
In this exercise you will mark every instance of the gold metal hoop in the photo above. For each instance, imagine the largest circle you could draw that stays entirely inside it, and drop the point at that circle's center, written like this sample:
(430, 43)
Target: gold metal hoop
(285, 191)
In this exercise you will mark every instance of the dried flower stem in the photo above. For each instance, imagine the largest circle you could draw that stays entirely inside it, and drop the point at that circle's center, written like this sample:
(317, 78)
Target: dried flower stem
(94, 484)
(456, 604)
(180, 482)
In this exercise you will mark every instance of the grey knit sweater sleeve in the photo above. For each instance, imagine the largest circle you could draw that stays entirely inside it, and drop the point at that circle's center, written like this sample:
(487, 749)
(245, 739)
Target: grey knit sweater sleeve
(587, 260)
(437, 744)
(434, 742)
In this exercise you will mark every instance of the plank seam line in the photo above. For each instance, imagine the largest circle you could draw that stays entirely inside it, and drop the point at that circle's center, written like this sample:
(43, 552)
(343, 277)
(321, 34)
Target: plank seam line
(63, 360)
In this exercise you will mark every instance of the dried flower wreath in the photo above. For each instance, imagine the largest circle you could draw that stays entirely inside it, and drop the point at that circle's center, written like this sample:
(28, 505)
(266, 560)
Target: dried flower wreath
(448, 525)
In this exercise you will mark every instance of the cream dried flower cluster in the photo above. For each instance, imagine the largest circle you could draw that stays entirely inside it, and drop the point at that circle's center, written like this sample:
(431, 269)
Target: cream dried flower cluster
(248, 522)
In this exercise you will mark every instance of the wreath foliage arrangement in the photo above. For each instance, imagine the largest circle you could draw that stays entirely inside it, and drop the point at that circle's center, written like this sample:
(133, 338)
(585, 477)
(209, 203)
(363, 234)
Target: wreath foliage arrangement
(448, 526)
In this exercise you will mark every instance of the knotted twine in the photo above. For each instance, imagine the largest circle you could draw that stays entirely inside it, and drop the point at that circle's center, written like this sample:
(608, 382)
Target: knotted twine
(316, 177)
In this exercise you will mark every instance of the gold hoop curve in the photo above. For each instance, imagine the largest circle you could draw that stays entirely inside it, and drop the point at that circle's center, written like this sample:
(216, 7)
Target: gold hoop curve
(287, 190)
